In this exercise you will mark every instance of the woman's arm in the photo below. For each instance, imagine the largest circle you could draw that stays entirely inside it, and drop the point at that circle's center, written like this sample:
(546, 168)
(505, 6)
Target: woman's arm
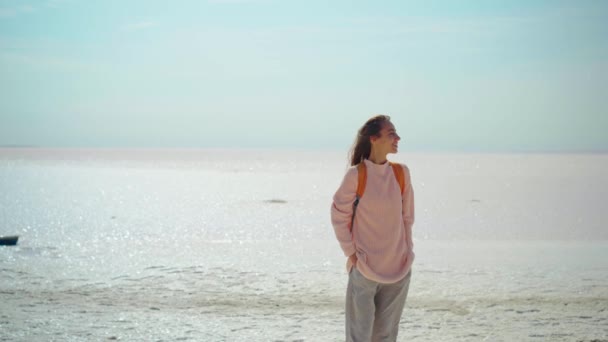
(408, 207)
(342, 211)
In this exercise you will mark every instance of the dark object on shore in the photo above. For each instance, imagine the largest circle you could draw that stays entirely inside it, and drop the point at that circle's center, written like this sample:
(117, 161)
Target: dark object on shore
(8, 240)
(275, 200)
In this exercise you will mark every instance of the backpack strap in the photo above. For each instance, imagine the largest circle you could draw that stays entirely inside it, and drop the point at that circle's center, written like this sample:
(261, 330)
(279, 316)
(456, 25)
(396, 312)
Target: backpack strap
(362, 174)
(399, 174)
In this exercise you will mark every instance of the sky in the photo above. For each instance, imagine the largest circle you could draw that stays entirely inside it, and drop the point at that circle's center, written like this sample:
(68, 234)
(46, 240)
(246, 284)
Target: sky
(490, 76)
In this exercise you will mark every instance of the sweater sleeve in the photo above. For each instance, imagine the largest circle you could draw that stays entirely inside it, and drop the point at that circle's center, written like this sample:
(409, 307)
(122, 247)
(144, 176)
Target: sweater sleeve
(342, 211)
(408, 207)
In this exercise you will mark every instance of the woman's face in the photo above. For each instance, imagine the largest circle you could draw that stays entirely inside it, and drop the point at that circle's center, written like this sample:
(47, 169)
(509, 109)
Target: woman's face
(388, 141)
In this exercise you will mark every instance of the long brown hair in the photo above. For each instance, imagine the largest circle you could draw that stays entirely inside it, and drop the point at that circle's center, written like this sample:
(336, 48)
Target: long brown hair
(362, 147)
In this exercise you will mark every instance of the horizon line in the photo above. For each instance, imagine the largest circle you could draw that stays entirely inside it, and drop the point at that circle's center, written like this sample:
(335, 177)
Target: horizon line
(316, 148)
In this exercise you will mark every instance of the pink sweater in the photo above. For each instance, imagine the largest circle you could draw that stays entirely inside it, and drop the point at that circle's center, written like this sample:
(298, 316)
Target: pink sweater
(382, 234)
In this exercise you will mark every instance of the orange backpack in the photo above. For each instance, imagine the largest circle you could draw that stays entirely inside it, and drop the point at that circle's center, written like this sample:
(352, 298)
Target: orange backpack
(362, 170)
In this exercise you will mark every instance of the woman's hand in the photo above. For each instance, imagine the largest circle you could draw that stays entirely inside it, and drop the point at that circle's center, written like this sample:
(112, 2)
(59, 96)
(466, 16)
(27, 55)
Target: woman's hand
(353, 259)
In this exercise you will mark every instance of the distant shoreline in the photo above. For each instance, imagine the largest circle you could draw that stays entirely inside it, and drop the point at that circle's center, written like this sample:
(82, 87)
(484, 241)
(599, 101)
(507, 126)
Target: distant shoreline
(295, 149)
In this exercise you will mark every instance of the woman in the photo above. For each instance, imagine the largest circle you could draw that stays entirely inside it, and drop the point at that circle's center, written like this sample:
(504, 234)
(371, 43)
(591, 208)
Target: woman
(375, 234)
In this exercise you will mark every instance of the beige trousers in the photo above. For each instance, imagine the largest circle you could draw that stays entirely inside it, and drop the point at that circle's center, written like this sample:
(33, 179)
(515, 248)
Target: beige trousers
(373, 310)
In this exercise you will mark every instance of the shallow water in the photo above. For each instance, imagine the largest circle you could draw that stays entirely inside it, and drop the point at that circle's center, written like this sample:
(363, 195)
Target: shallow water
(237, 246)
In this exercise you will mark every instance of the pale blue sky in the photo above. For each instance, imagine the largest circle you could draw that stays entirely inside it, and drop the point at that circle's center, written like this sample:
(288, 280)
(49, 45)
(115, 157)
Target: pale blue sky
(454, 75)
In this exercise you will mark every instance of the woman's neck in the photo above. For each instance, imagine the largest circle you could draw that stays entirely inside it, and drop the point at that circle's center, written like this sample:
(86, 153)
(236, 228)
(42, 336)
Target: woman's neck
(377, 158)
